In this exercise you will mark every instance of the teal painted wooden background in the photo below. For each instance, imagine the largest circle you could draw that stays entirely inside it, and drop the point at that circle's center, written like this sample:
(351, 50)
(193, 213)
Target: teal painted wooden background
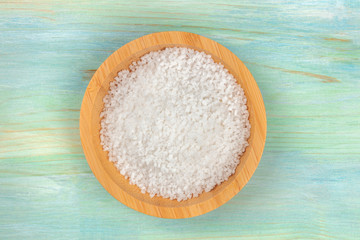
(304, 56)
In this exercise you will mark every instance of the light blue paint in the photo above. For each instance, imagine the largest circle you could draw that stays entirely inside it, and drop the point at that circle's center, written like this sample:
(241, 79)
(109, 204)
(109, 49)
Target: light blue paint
(307, 184)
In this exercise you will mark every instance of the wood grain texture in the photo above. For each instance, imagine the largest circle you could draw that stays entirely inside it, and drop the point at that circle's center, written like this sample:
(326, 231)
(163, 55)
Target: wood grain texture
(106, 172)
(307, 183)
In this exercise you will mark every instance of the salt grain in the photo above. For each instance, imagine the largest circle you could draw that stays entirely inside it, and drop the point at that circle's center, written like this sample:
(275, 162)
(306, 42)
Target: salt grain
(176, 124)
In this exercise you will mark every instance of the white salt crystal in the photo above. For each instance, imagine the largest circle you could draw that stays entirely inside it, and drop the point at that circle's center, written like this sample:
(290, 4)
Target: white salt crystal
(176, 124)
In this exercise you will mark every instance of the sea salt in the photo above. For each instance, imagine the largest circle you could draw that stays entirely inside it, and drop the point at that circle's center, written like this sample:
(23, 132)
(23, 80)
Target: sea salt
(175, 124)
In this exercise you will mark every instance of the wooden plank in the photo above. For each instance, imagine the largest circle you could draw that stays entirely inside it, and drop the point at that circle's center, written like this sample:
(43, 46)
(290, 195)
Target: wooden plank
(307, 184)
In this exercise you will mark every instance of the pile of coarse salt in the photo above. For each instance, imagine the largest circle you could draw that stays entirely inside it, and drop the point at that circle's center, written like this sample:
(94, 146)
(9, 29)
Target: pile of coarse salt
(176, 124)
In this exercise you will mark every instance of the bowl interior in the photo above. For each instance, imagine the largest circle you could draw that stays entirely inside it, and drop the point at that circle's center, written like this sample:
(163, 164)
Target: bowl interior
(111, 170)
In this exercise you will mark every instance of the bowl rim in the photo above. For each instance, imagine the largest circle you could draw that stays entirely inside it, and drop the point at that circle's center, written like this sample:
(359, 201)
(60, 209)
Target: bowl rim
(258, 131)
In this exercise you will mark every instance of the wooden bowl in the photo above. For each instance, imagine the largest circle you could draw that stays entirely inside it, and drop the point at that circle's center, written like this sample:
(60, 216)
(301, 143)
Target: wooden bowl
(106, 172)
